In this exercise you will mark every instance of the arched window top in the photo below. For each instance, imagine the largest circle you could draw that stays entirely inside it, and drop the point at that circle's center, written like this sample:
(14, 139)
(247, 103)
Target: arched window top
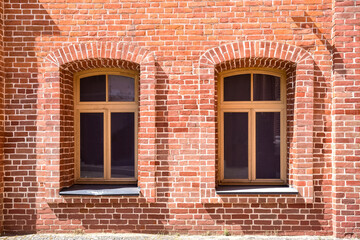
(252, 85)
(101, 86)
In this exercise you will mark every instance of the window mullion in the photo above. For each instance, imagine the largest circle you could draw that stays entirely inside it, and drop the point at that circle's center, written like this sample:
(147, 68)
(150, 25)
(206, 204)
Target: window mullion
(250, 168)
(254, 105)
(107, 163)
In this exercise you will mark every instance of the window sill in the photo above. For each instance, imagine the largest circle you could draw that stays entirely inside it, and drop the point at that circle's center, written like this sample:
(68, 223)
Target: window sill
(100, 190)
(246, 190)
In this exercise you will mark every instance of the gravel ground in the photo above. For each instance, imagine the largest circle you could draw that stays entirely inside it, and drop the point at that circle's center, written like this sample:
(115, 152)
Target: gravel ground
(153, 237)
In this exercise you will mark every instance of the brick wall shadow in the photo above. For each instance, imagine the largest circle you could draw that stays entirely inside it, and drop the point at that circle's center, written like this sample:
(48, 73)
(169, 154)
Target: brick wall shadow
(25, 146)
(322, 161)
(322, 134)
(163, 154)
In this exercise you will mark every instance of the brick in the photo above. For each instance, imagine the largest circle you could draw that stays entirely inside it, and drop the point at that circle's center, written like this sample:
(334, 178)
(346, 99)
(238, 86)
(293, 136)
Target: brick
(178, 48)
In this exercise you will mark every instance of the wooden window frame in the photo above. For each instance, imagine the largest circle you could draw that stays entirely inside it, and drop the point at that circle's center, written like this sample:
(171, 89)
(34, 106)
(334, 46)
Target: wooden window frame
(251, 107)
(106, 108)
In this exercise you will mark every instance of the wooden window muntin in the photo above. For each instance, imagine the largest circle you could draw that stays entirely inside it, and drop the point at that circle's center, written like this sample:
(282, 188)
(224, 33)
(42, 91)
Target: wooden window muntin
(251, 107)
(106, 107)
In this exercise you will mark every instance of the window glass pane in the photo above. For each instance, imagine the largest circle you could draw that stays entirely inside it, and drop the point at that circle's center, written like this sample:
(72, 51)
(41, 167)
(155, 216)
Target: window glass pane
(122, 145)
(237, 88)
(91, 145)
(121, 88)
(93, 88)
(236, 145)
(268, 145)
(266, 87)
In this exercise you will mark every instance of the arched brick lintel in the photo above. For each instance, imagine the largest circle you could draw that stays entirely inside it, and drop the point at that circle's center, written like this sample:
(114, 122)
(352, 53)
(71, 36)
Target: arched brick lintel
(299, 65)
(90, 50)
(254, 49)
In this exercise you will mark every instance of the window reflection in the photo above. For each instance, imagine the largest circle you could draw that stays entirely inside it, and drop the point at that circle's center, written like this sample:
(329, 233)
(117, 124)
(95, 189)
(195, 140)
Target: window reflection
(121, 88)
(235, 145)
(268, 145)
(266, 87)
(93, 88)
(91, 145)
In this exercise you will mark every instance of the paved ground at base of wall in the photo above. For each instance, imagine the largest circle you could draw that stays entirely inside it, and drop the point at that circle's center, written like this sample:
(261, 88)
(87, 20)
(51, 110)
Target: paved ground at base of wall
(155, 237)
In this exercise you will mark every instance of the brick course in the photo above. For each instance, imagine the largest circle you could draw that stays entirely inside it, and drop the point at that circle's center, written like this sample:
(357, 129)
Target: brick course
(179, 47)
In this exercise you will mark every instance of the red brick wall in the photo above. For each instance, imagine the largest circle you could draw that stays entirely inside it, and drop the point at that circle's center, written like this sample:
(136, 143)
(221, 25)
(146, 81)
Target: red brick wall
(179, 46)
(346, 116)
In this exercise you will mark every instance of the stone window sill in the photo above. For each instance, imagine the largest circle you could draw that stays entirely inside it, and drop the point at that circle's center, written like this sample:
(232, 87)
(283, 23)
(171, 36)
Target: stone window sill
(246, 190)
(100, 190)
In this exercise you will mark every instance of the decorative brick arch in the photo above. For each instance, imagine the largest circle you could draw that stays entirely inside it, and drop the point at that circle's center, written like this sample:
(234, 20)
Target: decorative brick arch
(97, 50)
(299, 66)
(255, 50)
(55, 113)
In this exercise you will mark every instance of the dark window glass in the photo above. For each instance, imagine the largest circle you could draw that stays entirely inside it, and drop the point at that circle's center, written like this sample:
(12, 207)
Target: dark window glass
(122, 145)
(235, 145)
(266, 87)
(237, 88)
(121, 88)
(93, 88)
(268, 145)
(91, 145)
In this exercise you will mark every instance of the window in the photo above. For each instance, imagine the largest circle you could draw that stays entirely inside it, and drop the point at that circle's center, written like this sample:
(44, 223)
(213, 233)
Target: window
(106, 103)
(252, 127)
